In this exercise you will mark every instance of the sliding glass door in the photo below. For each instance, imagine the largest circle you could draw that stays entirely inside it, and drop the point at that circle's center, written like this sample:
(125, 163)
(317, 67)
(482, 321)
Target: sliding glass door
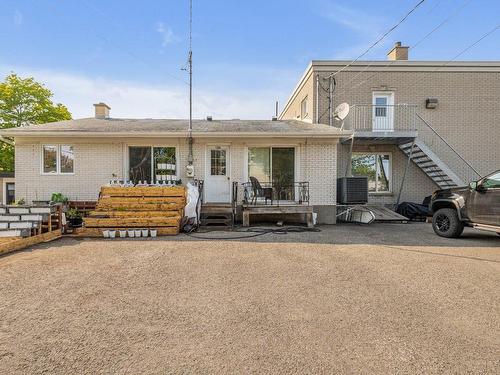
(274, 165)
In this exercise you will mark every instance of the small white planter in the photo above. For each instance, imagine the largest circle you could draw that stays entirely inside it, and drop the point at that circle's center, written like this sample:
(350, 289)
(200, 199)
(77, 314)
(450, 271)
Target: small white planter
(153, 232)
(162, 166)
(123, 233)
(158, 177)
(144, 232)
(112, 233)
(131, 233)
(171, 167)
(105, 233)
(137, 232)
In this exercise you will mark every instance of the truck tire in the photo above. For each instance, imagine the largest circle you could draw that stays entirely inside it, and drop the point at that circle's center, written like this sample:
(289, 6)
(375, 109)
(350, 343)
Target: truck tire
(446, 223)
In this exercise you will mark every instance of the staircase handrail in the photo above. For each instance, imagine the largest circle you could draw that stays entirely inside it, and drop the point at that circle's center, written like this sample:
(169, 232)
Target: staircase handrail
(446, 142)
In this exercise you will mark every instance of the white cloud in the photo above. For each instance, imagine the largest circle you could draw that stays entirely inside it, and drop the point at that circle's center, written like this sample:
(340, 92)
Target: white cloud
(167, 34)
(136, 100)
(18, 18)
(354, 19)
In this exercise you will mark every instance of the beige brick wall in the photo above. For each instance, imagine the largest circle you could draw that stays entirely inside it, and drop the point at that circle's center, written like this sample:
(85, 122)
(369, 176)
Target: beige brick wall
(94, 165)
(319, 167)
(95, 162)
(305, 90)
(468, 114)
(416, 186)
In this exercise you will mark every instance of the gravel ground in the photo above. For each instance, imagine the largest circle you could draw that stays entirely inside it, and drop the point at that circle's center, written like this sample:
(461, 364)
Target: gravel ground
(378, 299)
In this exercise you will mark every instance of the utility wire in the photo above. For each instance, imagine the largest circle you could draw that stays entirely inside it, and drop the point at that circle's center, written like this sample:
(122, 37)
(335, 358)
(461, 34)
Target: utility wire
(438, 68)
(382, 37)
(441, 24)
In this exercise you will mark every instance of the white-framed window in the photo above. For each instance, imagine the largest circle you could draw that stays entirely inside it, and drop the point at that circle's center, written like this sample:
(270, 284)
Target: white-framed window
(58, 159)
(303, 108)
(377, 167)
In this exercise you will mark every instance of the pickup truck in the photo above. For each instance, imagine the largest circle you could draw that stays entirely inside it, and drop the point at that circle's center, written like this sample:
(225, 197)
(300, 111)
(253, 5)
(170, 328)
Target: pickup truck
(476, 205)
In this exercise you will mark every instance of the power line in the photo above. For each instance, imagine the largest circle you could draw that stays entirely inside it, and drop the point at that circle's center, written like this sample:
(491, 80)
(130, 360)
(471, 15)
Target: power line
(382, 37)
(438, 68)
(441, 24)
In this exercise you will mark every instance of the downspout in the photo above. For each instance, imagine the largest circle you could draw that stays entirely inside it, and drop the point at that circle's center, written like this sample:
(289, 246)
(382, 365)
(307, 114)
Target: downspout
(317, 98)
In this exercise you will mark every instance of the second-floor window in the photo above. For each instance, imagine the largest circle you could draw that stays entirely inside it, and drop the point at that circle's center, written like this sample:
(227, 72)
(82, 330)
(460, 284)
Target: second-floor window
(58, 159)
(303, 108)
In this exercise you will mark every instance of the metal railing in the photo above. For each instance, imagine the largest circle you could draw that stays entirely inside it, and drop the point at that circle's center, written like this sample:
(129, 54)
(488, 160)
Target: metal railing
(381, 118)
(278, 194)
(429, 138)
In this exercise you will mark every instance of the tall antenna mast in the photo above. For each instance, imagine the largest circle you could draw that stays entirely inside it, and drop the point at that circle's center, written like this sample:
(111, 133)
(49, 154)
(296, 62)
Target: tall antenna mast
(190, 169)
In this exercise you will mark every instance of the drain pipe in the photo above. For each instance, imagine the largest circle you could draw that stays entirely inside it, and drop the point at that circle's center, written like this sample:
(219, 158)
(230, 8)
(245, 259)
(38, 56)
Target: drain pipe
(317, 98)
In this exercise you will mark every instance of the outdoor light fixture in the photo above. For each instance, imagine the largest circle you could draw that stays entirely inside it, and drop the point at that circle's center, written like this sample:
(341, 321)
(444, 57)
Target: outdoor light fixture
(431, 103)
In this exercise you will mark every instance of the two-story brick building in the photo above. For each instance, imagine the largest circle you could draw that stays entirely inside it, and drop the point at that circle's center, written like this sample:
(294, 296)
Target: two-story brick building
(451, 110)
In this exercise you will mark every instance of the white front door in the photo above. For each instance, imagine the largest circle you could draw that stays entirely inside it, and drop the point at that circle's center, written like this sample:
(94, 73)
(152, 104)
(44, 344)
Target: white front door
(217, 181)
(383, 112)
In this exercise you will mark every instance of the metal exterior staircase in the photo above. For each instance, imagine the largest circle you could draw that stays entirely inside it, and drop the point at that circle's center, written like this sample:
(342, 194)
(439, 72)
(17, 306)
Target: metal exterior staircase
(431, 165)
(403, 124)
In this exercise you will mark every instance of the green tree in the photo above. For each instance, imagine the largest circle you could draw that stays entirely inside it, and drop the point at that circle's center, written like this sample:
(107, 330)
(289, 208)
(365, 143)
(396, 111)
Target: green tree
(23, 102)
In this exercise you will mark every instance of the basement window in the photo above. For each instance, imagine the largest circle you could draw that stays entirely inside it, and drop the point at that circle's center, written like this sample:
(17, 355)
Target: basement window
(58, 159)
(377, 167)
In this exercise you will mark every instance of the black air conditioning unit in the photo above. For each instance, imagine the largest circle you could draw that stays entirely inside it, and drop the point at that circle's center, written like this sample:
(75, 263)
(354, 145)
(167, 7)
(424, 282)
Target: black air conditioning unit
(352, 190)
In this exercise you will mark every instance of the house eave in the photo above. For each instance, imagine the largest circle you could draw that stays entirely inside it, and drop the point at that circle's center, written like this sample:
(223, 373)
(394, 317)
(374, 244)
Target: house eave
(59, 134)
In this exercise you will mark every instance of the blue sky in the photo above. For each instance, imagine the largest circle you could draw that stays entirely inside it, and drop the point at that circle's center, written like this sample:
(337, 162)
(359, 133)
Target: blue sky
(247, 54)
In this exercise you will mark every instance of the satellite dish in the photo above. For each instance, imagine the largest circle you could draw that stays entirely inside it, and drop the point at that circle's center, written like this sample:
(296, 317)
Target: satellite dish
(341, 112)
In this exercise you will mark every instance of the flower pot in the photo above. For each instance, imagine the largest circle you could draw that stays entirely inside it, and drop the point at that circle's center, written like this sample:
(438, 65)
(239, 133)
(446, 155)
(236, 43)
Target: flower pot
(162, 166)
(112, 233)
(158, 177)
(144, 233)
(153, 232)
(137, 232)
(123, 233)
(75, 222)
(105, 233)
(131, 233)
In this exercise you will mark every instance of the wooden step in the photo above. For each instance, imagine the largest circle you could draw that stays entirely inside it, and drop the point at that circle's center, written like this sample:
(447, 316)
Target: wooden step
(124, 206)
(150, 191)
(97, 232)
(116, 214)
(128, 222)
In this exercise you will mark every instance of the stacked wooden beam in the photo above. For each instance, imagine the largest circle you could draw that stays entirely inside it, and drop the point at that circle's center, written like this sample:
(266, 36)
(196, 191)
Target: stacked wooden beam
(150, 207)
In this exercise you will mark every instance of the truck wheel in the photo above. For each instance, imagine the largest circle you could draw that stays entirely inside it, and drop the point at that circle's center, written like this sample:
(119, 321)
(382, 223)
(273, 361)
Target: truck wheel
(446, 223)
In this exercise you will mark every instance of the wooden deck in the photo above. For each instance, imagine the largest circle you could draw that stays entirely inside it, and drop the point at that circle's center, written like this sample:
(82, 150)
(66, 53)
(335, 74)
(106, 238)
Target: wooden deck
(10, 244)
(250, 210)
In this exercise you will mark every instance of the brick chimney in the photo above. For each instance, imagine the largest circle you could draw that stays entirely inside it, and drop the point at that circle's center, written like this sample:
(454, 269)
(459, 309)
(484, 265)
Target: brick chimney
(398, 52)
(101, 110)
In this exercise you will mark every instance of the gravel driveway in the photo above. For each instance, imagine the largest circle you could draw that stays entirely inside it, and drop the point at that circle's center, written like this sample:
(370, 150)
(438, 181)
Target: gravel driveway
(378, 299)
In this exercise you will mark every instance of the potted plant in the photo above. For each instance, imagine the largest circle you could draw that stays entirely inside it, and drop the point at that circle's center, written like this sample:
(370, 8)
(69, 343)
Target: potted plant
(112, 233)
(153, 232)
(123, 233)
(131, 233)
(60, 198)
(144, 232)
(74, 218)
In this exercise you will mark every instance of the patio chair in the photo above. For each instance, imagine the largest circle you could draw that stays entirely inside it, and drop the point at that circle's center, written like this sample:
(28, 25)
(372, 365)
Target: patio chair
(260, 192)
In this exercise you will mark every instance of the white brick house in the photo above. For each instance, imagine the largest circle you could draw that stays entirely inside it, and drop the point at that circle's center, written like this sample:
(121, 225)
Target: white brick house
(77, 157)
